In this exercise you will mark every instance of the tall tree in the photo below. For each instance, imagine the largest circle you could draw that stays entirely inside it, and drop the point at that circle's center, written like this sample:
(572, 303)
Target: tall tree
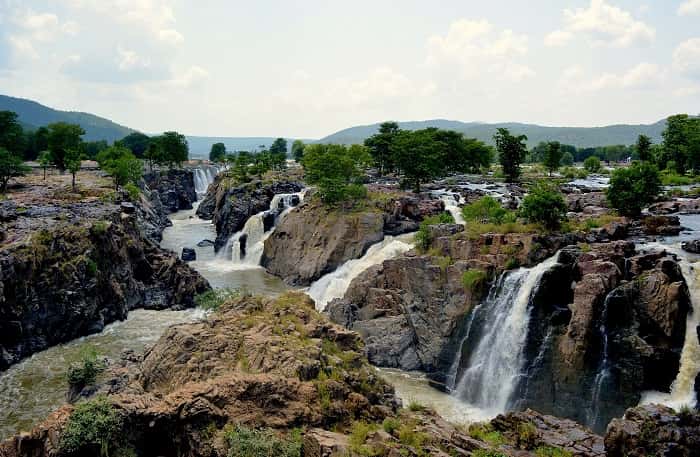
(36, 141)
(122, 165)
(45, 160)
(417, 155)
(137, 142)
(552, 156)
(644, 148)
(71, 160)
(298, 150)
(512, 151)
(217, 152)
(62, 138)
(675, 142)
(335, 169)
(634, 187)
(279, 146)
(693, 140)
(11, 166)
(11, 133)
(175, 149)
(380, 145)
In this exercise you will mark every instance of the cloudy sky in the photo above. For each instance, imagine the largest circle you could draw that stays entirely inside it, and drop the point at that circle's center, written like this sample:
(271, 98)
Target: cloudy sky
(306, 68)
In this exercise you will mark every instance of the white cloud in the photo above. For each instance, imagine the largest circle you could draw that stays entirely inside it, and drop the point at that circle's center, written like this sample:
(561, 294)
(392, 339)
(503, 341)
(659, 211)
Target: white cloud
(43, 27)
(129, 60)
(642, 76)
(603, 24)
(23, 47)
(689, 7)
(476, 47)
(687, 91)
(686, 58)
(193, 76)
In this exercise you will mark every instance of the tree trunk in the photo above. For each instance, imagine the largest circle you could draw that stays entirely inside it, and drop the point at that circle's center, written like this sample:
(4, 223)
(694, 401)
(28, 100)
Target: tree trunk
(73, 182)
(44, 173)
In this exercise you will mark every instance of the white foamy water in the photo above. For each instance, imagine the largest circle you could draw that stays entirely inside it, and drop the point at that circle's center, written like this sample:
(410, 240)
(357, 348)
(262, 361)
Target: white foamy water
(203, 176)
(451, 202)
(495, 366)
(335, 284)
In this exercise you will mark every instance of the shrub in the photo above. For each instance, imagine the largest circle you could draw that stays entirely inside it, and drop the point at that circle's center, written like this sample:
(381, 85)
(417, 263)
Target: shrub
(100, 227)
(527, 435)
(633, 187)
(486, 433)
(547, 451)
(544, 205)
(486, 210)
(409, 436)
(512, 264)
(592, 164)
(423, 237)
(390, 424)
(487, 453)
(358, 436)
(86, 370)
(214, 298)
(472, 278)
(415, 406)
(246, 442)
(92, 424)
(132, 190)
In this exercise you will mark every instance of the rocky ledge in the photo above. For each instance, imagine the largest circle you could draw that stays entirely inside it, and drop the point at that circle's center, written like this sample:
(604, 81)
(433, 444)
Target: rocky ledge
(315, 239)
(268, 376)
(67, 270)
(229, 205)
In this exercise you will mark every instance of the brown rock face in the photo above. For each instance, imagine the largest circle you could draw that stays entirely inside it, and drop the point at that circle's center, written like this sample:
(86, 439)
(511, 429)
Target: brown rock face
(314, 239)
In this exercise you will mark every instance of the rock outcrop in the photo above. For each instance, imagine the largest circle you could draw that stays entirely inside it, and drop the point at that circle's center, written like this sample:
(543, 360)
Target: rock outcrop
(314, 239)
(678, 205)
(616, 332)
(229, 205)
(67, 271)
(175, 188)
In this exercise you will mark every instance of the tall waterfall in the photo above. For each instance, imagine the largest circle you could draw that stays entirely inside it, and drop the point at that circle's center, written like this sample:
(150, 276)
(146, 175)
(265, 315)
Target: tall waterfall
(203, 176)
(335, 284)
(682, 389)
(245, 248)
(494, 367)
(451, 201)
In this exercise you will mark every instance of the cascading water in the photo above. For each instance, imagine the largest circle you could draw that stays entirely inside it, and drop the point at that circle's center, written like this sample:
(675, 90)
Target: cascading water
(452, 201)
(245, 248)
(335, 284)
(682, 390)
(203, 176)
(603, 372)
(494, 368)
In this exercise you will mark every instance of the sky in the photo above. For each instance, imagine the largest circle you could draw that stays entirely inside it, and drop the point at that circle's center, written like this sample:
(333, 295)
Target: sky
(307, 68)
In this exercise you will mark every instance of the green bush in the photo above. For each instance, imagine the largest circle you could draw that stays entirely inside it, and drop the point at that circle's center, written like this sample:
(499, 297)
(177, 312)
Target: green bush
(633, 187)
(487, 210)
(92, 424)
(100, 227)
(358, 437)
(592, 164)
(545, 205)
(472, 278)
(214, 298)
(547, 451)
(487, 453)
(132, 190)
(85, 372)
(390, 424)
(423, 237)
(415, 406)
(246, 442)
(485, 432)
(512, 264)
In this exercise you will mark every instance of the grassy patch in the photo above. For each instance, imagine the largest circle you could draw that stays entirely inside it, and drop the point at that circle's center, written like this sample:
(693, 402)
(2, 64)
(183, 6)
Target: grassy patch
(548, 451)
(214, 298)
(486, 433)
(473, 278)
(358, 437)
(247, 442)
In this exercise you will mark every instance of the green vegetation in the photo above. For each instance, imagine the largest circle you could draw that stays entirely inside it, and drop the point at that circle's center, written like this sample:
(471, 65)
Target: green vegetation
(214, 298)
(136, 142)
(45, 160)
(546, 451)
(633, 187)
(336, 170)
(487, 210)
(473, 278)
(247, 442)
(485, 432)
(544, 204)
(85, 372)
(487, 453)
(122, 165)
(592, 164)
(527, 435)
(552, 156)
(358, 437)
(415, 406)
(421, 155)
(65, 140)
(423, 236)
(71, 161)
(217, 152)
(298, 150)
(512, 151)
(93, 425)
(11, 166)
(390, 424)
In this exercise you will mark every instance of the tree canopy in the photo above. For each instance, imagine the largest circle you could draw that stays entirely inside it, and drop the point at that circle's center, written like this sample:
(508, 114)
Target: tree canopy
(173, 149)
(217, 152)
(336, 170)
(512, 150)
(137, 143)
(634, 187)
(62, 139)
(11, 166)
(298, 150)
(552, 156)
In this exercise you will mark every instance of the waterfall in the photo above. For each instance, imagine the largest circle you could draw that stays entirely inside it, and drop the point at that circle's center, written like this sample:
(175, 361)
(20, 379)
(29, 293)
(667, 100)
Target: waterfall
(682, 389)
(451, 201)
(335, 284)
(203, 177)
(245, 248)
(494, 368)
(603, 371)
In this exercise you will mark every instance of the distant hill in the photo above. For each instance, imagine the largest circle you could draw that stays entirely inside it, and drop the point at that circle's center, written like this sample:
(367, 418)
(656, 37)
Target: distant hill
(33, 115)
(578, 136)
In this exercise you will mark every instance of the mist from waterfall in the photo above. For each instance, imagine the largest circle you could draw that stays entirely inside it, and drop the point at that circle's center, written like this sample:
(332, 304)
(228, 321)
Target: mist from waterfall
(495, 367)
(335, 284)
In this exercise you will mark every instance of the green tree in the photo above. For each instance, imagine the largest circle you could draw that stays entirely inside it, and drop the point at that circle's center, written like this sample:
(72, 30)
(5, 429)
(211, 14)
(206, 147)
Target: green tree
(592, 164)
(45, 160)
(173, 149)
(335, 170)
(544, 204)
(11, 133)
(137, 142)
(217, 152)
(693, 141)
(417, 156)
(675, 142)
(92, 148)
(552, 156)
(62, 138)
(11, 166)
(380, 146)
(36, 142)
(632, 188)
(71, 160)
(644, 145)
(279, 146)
(122, 165)
(567, 159)
(154, 155)
(512, 151)
(298, 150)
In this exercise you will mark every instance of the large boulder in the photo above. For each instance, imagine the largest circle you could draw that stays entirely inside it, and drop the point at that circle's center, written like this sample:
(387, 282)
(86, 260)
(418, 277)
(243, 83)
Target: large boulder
(175, 188)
